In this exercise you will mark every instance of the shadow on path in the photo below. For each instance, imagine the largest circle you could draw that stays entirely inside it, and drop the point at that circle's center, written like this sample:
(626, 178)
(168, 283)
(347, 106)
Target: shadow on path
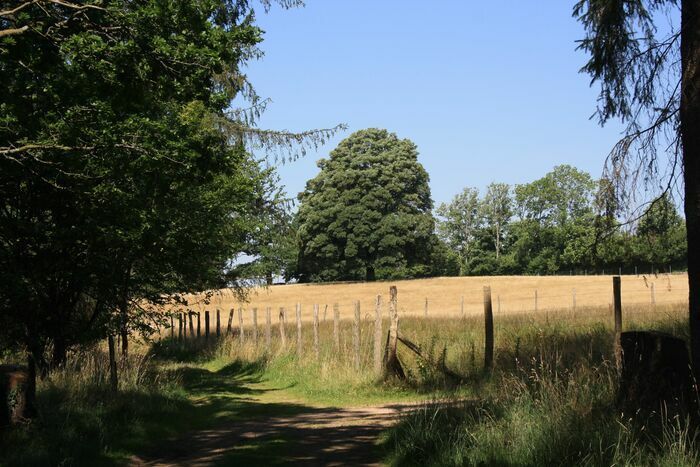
(244, 430)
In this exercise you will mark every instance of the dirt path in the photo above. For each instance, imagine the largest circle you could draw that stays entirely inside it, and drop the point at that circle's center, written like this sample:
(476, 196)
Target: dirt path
(315, 436)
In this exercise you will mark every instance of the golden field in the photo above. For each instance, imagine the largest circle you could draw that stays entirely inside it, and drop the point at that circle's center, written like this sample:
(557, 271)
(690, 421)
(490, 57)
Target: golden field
(445, 295)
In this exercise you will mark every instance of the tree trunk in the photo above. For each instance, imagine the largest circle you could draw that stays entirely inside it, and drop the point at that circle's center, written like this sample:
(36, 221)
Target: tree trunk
(690, 136)
(369, 274)
(268, 278)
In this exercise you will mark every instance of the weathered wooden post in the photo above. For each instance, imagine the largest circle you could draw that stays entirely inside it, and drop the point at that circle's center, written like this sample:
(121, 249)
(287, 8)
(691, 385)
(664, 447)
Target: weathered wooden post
(336, 326)
(113, 382)
(206, 324)
(199, 324)
(498, 299)
(425, 311)
(461, 307)
(316, 346)
(325, 310)
(392, 366)
(240, 325)
(255, 327)
(488, 328)
(298, 318)
(268, 328)
(218, 323)
(653, 295)
(573, 299)
(356, 337)
(378, 336)
(229, 328)
(283, 335)
(535, 300)
(617, 301)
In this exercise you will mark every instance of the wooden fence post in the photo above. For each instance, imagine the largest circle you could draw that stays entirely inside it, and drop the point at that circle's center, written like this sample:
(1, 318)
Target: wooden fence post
(653, 295)
(268, 326)
(298, 317)
(229, 328)
(378, 336)
(356, 337)
(617, 299)
(218, 323)
(206, 324)
(617, 303)
(316, 347)
(461, 307)
(283, 334)
(199, 324)
(498, 299)
(325, 309)
(255, 327)
(535, 300)
(114, 384)
(425, 311)
(336, 324)
(391, 360)
(488, 328)
(573, 299)
(240, 325)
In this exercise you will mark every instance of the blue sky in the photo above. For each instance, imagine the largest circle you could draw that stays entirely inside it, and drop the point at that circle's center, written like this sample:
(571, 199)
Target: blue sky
(488, 91)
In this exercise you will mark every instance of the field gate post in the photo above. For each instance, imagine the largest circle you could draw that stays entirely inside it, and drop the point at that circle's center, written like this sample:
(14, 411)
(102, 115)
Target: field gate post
(356, 337)
(316, 346)
(378, 336)
(488, 328)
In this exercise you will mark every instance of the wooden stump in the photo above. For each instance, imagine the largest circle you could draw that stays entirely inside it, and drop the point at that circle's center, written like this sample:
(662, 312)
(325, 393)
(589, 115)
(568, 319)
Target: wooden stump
(15, 394)
(654, 372)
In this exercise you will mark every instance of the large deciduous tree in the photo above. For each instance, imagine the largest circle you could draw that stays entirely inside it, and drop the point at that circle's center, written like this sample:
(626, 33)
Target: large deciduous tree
(649, 76)
(459, 223)
(367, 214)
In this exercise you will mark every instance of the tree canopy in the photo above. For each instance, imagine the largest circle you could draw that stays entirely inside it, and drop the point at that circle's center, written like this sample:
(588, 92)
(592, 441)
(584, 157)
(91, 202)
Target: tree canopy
(367, 214)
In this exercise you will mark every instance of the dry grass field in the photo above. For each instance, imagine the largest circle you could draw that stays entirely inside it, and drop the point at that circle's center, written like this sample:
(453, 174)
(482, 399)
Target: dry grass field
(445, 295)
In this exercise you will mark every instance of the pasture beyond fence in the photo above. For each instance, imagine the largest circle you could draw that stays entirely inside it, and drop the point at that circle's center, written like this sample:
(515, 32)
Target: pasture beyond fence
(290, 336)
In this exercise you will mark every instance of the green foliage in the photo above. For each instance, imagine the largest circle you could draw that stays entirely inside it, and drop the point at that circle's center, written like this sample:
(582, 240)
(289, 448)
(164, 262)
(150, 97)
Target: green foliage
(367, 214)
(559, 223)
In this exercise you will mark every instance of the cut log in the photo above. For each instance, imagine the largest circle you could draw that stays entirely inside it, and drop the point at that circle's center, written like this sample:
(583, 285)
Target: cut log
(654, 372)
(15, 394)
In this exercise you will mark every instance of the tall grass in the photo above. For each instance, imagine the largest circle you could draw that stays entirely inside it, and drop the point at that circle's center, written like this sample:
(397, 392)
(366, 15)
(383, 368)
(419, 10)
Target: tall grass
(81, 421)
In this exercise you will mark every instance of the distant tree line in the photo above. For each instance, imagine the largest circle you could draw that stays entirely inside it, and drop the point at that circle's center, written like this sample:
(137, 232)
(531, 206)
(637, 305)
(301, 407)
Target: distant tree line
(369, 215)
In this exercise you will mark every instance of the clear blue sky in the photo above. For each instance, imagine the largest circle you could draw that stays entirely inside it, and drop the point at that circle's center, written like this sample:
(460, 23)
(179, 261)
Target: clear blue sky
(488, 91)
